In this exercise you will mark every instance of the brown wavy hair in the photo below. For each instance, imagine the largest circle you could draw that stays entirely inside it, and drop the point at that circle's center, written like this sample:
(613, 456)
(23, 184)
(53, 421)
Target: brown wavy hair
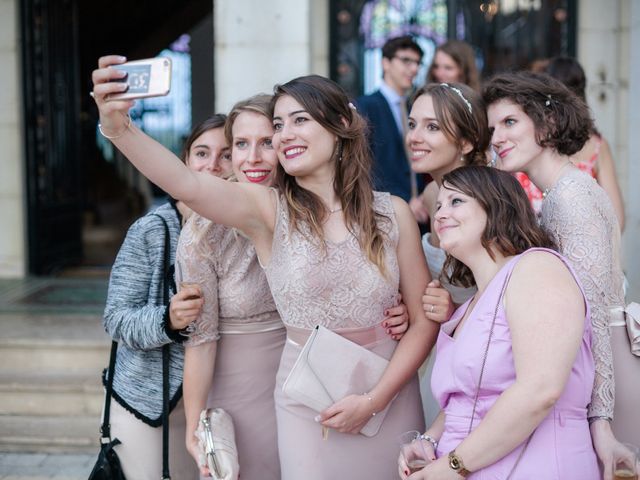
(327, 103)
(511, 228)
(461, 53)
(455, 119)
(562, 120)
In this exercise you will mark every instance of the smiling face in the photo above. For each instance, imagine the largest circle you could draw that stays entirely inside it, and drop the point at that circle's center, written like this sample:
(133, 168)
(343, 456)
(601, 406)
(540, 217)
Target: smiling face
(252, 154)
(514, 136)
(460, 222)
(304, 147)
(431, 151)
(209, 153)
(445, 69)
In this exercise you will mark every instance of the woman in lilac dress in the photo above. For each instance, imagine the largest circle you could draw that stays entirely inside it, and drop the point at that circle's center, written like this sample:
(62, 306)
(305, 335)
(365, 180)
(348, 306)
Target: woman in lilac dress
(526, 336)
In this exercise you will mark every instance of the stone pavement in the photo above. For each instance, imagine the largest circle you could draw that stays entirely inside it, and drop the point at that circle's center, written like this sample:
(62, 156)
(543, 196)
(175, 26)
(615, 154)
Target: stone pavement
(44, 466)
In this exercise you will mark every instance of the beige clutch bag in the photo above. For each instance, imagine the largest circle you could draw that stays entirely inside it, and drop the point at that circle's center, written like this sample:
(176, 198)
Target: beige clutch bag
(329, 368)
(218, 444)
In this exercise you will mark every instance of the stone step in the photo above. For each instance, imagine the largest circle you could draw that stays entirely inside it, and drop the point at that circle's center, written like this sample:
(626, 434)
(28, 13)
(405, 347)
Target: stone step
(32, 355)
(50, 393)
(72, 343)
(50, 434)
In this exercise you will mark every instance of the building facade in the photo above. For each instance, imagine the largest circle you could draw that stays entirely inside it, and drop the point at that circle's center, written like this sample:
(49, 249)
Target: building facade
(258, 44)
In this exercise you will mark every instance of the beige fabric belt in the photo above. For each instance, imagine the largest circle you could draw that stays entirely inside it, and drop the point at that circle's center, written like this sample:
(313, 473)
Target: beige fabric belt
(230, 328)
(364, 336)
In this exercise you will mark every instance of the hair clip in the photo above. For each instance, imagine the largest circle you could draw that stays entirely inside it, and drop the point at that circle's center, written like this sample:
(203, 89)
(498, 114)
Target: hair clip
(352, 107)
(457, 90)
(548, 102)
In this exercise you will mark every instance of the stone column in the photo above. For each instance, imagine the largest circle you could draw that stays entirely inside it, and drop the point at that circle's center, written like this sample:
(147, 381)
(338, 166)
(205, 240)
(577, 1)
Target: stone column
(606, 34)
(13, 259)
(259, 44)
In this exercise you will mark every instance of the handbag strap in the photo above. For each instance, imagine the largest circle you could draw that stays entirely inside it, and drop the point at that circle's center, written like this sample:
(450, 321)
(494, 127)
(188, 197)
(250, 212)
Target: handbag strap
(165, 355)
(484, 362)
(105, 428)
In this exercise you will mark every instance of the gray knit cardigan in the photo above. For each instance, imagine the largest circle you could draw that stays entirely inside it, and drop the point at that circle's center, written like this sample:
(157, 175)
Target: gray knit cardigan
(135, 317)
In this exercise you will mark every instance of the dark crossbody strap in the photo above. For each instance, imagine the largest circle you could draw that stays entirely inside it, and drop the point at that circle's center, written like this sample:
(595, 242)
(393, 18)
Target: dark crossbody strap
(484, 362)
(165, 355)
(105, 429)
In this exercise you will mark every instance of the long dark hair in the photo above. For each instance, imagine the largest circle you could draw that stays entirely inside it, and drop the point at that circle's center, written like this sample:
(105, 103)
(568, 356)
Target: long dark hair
(327, 103)
(511, 228)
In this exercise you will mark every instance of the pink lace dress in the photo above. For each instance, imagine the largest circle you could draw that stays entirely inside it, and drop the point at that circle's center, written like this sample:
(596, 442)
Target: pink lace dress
(238, 313)
(579, 214)
(340, 289)
(560, 447)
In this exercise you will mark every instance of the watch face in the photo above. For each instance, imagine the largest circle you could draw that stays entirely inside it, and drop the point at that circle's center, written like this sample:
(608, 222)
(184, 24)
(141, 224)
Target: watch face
(454, 462)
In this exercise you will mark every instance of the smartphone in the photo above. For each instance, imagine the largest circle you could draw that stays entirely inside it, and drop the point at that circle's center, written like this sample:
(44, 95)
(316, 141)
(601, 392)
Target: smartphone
(150, 77)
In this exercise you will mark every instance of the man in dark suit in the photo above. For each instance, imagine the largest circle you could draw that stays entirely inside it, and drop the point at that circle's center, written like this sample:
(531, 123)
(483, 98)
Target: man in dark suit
(386, 111)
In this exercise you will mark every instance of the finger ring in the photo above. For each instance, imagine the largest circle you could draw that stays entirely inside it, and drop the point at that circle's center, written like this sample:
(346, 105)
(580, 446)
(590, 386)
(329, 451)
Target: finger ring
(432, 307)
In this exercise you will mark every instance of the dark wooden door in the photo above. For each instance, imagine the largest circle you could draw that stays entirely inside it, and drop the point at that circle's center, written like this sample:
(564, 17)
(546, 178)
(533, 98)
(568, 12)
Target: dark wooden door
(54, 170)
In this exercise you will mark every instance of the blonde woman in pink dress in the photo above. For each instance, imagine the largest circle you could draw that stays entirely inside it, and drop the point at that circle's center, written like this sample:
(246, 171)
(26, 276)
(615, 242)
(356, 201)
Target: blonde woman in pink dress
(351, 251)
(514, 369)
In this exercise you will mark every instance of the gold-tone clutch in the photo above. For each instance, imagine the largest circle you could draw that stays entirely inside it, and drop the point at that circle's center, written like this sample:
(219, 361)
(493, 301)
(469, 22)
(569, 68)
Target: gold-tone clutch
(329, 368)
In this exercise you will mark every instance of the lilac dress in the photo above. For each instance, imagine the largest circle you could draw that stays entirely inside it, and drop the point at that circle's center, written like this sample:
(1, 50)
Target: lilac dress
(560, 447)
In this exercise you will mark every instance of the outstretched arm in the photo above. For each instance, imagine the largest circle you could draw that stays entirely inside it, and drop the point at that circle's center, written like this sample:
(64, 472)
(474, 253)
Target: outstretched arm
(245, 206)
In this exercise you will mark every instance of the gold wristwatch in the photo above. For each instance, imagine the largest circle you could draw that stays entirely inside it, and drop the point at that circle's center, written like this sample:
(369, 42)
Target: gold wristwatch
(455, 463)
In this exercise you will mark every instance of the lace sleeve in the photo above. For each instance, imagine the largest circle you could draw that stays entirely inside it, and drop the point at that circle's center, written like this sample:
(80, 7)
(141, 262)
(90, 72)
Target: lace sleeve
(582, 229)
(195, 263)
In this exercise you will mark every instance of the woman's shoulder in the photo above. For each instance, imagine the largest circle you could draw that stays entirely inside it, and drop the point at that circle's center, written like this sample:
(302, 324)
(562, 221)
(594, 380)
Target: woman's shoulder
(541, 264)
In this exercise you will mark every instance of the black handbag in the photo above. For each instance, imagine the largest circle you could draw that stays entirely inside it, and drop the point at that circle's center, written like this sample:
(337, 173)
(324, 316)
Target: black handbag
(107, 466)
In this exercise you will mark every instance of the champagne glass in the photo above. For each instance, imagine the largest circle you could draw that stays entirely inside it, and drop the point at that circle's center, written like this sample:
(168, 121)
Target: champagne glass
(412, 450)
(625, 466)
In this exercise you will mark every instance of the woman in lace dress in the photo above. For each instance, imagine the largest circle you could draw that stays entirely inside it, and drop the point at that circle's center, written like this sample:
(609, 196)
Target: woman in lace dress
(537, 125)
(232, 354)
(447, 129)
(595, 156)
(334, 253)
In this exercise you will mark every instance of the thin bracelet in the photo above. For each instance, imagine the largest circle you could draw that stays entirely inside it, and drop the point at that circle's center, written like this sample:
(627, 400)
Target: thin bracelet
(599, 417)
(366, 394)
(120, 134)
(430, 439)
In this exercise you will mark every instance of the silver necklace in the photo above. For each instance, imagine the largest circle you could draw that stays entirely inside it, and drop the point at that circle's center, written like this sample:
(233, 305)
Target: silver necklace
(334, 210)
(547, 190)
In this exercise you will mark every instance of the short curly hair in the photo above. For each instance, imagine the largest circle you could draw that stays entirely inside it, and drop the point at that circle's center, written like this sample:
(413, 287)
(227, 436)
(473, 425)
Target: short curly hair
(562, 120)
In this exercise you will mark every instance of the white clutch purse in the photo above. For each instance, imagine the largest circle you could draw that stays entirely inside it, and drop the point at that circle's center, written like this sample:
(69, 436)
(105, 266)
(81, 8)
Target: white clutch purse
(218, 444)
(329, 368)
